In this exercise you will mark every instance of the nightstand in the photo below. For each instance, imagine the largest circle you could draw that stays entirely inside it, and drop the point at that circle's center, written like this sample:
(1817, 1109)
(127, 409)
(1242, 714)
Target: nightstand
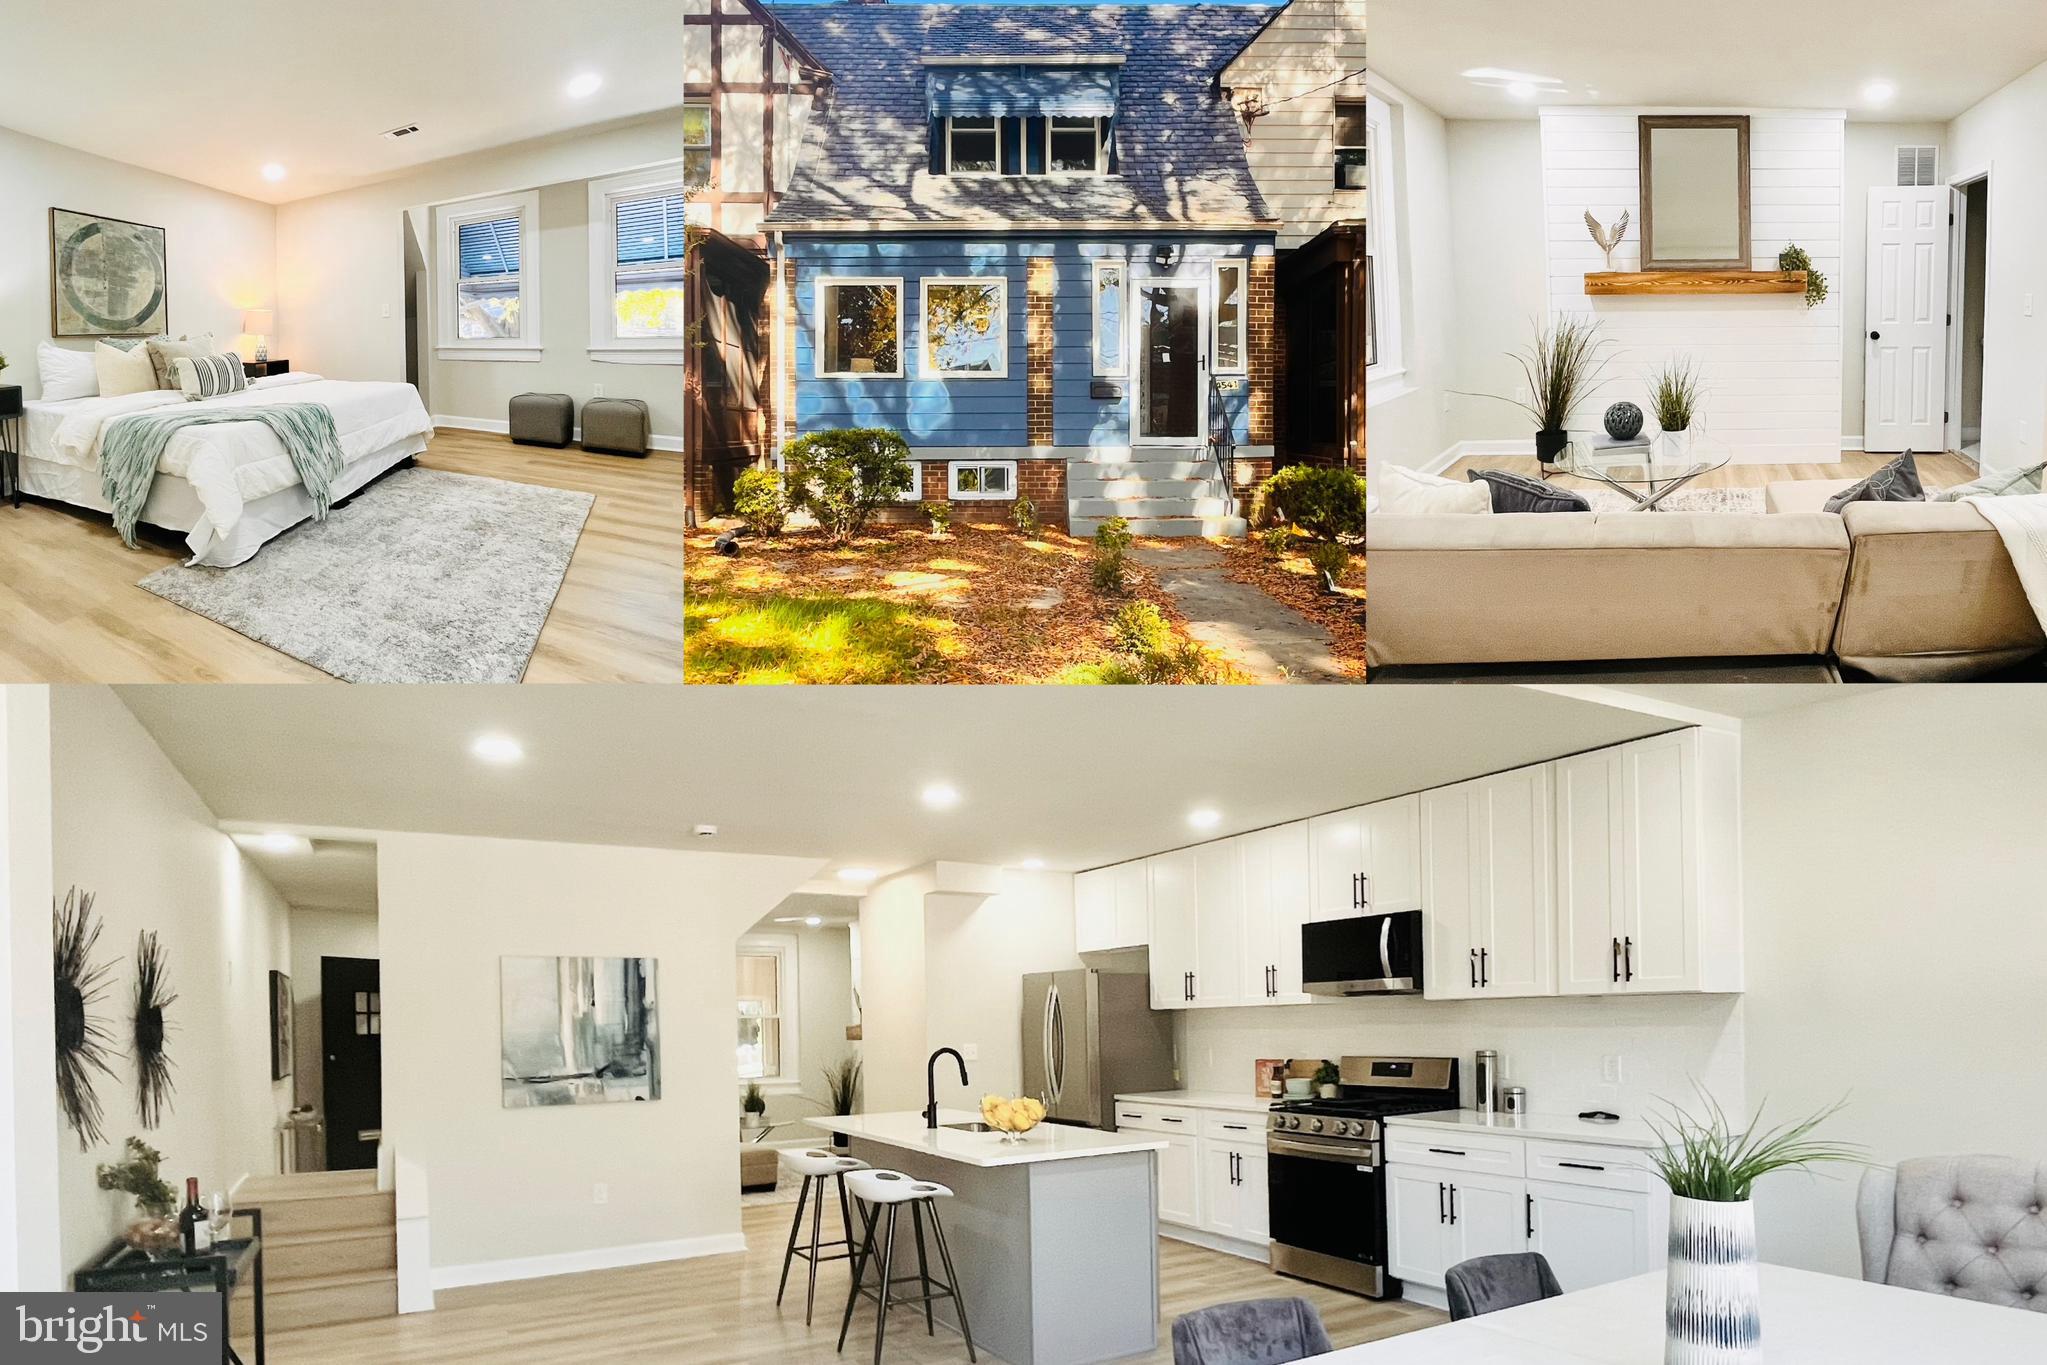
(256, 369)
(10, 442)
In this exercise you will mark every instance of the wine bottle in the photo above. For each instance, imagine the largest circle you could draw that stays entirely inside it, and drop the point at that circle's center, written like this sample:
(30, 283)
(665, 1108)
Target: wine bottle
(194, 1229)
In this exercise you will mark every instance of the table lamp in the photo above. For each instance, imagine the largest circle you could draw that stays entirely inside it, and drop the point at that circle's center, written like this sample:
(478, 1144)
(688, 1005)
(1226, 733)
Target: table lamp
(257, 323)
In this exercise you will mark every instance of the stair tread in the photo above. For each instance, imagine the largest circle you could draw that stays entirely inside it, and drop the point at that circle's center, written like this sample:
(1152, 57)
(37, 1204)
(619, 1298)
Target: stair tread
(340, 1279)
(319, 1185)
(322, 1236)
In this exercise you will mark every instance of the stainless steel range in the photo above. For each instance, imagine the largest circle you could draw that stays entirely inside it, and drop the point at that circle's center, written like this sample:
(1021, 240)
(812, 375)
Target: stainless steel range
(1326, 1168)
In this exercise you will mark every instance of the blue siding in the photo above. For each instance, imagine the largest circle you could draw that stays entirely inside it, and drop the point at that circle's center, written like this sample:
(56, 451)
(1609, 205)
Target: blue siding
(985, 412)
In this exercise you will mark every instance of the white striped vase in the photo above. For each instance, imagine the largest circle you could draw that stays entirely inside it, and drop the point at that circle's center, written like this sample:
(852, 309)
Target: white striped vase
(1713, 1311)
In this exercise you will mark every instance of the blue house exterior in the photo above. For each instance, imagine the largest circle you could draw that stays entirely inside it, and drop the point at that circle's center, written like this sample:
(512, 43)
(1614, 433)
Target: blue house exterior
(1027, 238)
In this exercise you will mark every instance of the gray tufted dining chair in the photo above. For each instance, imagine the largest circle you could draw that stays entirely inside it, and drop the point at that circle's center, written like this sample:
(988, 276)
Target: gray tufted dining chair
(1974, 1227)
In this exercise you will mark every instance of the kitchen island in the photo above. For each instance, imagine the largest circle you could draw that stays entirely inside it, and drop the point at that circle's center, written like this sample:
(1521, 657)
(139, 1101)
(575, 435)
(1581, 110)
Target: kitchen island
(1055, 1237)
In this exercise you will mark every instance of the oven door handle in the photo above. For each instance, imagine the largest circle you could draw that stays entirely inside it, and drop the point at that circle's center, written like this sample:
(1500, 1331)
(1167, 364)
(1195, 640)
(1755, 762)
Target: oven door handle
(1281, 1147)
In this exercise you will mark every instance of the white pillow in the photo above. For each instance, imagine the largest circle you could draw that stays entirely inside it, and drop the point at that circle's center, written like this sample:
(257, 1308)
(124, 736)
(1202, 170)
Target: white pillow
(1409, 491)
(123, 372)
(65, 373)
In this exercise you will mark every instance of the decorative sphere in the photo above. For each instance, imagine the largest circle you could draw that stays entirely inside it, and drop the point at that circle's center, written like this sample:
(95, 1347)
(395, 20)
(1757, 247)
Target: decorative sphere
(1624, 421)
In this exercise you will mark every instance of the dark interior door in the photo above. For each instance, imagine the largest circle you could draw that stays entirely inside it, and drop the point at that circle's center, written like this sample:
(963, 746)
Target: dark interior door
(352, 1060)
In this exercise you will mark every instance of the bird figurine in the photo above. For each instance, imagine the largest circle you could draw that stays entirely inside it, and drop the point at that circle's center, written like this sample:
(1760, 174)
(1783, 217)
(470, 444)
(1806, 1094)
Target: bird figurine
(1607, 238)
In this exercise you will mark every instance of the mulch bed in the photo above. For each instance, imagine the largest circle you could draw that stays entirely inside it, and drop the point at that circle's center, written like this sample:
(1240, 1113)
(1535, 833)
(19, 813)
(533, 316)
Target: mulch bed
(1289, 578)
(983, 594)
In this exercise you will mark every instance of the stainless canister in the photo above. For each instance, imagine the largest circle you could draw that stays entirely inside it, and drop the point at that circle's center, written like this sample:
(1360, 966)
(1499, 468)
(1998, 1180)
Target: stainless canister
(1514, 1100)
(1485, 1079)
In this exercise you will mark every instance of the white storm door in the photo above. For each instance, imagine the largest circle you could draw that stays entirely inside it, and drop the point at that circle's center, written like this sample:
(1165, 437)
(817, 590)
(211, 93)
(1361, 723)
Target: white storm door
(1171, 393)
(1906, 303)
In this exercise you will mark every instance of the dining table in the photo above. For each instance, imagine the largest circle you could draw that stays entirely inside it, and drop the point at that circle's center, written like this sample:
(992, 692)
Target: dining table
(1808, 1319)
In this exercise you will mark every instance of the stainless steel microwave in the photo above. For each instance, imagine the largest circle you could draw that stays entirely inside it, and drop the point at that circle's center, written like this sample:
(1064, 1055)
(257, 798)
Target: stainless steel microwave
(1363, 955)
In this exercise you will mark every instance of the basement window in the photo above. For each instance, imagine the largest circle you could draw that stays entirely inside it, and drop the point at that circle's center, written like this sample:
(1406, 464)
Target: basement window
(981, 480)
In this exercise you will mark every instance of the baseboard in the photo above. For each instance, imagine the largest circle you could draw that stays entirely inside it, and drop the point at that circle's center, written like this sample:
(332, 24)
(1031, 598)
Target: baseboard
(1250, 1251)
(1458, 450)
(1424, 1295)
(578, 1262)
(498, 427)
(1851, 444)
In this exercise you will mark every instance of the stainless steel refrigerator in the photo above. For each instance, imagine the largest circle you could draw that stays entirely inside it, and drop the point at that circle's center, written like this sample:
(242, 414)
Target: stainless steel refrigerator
(1089, 1036)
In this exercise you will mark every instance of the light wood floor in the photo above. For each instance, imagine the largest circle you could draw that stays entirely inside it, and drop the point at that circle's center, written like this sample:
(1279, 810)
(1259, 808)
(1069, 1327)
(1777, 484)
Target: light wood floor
(720, 1310)
(70, 610)
(1935, 471)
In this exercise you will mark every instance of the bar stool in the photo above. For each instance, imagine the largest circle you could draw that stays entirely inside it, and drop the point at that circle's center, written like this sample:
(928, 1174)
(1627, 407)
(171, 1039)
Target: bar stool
(815, 1164)
(891, 1190)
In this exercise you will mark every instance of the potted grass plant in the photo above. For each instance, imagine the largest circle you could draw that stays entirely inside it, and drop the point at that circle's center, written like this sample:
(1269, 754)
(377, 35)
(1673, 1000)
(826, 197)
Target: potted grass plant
(1674, 393)
(842, 1085)
(753, 1108)
(1713, 1305)
(1560, 368)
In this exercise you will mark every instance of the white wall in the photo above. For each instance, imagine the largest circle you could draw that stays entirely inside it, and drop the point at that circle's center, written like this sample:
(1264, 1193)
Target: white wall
(316, 934)
(1408, 429)
(2003, 134)
(824, 989)
(893, 991)
(977, 953)
(341, 274)
(1553, 1047)
(513, 1190)
(1897, 954)
(219, 249)
(30, 1256)
(127, 827)
(1871, 162)
(1496, 241)
(1771, 367)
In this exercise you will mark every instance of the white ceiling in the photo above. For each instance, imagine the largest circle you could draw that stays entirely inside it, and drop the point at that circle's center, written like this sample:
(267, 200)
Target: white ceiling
(333, 875)
(1076, 776)
(1809, 54)
(212, 92)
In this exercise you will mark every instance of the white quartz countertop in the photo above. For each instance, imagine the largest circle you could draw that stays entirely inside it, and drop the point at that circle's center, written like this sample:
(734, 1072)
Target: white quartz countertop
(1046, 1142)
(1555, 1127)
(1234, 1101)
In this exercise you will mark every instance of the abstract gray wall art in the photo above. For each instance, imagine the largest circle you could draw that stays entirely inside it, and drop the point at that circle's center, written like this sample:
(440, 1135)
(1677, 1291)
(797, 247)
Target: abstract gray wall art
(579, 1030)
(108, 277)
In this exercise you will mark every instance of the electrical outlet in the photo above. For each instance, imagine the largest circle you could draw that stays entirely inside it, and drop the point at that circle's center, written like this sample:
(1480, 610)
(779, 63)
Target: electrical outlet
(600, 1194)
(1610, 1068)
(971, 1051)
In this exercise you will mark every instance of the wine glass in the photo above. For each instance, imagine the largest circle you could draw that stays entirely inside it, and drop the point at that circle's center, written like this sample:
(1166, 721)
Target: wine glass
(220, 1215)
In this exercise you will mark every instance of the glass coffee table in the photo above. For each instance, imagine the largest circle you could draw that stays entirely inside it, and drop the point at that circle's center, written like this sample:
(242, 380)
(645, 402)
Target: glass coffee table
(1645, 478)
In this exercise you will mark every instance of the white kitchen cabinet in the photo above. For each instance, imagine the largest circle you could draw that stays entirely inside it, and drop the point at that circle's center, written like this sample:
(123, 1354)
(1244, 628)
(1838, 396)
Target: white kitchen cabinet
(1254, 1195)
(1174, 921)
(1450, 891)
(1133, 904)
(1219, 923)
(1437, 1218)
(1393, 855)
(1233, 1193)
(1277, 901)
(1336, 845)
(1416, 1201)
(1111, 908)
(1179, 1180)
(1589, 874)
(1487, 1217)
(1589, 1236)
(1486, 872)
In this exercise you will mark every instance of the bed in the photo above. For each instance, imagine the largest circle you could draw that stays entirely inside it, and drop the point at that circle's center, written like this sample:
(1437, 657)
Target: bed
(229, 488)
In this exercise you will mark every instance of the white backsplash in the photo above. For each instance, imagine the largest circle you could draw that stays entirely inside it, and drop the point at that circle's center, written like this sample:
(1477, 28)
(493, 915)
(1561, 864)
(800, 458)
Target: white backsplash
(1557, 1048)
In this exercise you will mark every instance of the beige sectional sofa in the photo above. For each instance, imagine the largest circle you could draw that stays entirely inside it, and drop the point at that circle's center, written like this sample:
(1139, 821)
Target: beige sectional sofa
(1901, 591)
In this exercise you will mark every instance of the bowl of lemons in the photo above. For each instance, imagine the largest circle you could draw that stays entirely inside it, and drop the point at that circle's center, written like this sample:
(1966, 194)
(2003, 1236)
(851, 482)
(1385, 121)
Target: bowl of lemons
(1011, 1117)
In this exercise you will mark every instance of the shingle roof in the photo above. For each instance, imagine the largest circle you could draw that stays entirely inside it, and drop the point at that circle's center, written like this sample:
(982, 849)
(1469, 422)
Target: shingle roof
(1180, 148)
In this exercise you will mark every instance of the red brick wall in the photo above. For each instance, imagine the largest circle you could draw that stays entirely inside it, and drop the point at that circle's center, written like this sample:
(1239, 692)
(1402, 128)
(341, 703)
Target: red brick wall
(1042, 481)
(1040, 284)
(1264, 276)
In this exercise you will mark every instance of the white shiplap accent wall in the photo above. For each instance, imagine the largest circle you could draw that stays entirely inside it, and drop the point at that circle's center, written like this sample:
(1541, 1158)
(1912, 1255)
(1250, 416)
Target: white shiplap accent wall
(1771, 366)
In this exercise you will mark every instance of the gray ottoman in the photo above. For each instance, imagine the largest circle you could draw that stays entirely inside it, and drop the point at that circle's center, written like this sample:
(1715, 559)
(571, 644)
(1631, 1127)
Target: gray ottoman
(618, 426)
(543, 419)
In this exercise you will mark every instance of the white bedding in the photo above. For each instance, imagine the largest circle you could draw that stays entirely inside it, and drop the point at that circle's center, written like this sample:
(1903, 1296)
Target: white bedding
(233, 464)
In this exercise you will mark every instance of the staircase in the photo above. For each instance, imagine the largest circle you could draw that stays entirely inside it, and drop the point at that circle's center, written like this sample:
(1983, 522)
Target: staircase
(1162, 493)
(330, 1248)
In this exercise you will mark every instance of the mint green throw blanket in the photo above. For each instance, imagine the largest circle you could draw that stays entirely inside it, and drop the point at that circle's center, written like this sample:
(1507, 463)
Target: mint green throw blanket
(134, 445)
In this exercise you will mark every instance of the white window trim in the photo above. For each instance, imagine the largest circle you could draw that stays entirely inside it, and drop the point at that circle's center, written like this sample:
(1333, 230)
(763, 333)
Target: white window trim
(606, 346)
(1094, 304)
(998, 172)
(784, 948)
(1386, 380)
(952, 480)
(527, 346)
(1215, 349)
(824, 283)
(924, 366)
(1101, 150)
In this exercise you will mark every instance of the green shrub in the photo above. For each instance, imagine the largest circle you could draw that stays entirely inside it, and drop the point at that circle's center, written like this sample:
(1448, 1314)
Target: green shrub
(1140, 628)
(1329, 558)
(1277, 538)
(1113, 536)
(758, 501)
(939, 514)
(1328, 504)
(1112, 543)
(841, 476)
(1025, 514)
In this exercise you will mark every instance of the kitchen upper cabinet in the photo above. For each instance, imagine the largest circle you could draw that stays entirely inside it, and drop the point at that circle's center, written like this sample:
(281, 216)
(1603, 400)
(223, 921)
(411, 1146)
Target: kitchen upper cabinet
(1277, 901)
(1133, 904)
(1111, 908)
(1486, 879)
(1589, 873)
(1219, 923)
(1590, 1236)
(1174, 928)
(1393, 855)
(1336, 845)
(1179, 1180)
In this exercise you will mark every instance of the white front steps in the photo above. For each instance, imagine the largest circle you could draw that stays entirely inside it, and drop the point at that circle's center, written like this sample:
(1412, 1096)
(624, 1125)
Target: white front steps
(1174, 493)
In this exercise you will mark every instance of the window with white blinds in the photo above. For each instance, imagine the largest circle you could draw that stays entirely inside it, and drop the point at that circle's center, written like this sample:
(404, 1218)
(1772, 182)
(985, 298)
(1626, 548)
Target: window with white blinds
(639, 251)
(487, 297)
(488, 286)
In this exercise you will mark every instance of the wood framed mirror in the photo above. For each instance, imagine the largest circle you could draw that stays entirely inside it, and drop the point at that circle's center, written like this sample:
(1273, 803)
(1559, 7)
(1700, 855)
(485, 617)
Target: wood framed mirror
(1695, 192)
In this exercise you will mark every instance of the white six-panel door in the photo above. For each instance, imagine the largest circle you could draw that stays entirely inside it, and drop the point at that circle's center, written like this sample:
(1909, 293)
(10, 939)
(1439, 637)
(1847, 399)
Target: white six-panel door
(1906, 305)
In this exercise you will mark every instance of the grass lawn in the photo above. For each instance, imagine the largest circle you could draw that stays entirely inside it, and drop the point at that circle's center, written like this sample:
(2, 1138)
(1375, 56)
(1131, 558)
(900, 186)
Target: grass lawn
(981, 604)
(1292, 580)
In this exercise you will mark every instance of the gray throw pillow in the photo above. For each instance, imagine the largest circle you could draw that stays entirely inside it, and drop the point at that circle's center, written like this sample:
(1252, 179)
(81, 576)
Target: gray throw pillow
(2013, 483)
(1897, 481)
(1519, 493)
(164, 355)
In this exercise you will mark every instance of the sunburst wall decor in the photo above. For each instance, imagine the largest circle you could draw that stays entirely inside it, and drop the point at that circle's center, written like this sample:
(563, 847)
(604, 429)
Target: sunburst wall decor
(153, 1085)
(84, 1041)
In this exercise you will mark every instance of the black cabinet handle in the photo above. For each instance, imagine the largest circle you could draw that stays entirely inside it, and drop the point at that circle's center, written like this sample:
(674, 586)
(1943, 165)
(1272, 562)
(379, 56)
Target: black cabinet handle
(1628, 958)
(1579, 1166)
(1442, 1214)
(1529, 1231)
(1616, 959)
(1163, 1119)
(1474, 969)
(1446, 1151)
(1485, 971)
(1453, 1206)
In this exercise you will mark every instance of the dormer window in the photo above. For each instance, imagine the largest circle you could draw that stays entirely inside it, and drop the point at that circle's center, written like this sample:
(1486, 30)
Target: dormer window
(1073, 146)
(1051, 115)
(973, 147)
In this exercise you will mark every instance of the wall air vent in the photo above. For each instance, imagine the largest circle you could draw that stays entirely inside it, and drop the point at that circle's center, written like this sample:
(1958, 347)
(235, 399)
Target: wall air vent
(1918, 165)
(407, 131)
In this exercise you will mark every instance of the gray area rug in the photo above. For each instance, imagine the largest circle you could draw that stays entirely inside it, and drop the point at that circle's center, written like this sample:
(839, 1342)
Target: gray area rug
(425, 576)
(1684, 500)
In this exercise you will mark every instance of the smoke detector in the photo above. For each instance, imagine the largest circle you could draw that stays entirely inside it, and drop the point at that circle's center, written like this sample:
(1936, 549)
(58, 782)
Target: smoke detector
(705, 831)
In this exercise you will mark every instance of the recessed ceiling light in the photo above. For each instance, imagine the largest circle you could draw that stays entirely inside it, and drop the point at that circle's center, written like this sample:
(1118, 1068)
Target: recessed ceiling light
(582, 87)
(941, 796)
(1521, 90)
(813, 920)
(277, 841)
(857, 874)
(1879, 92)
(273, 172)
(1204, 817)
(1032, 864)
(499, 749)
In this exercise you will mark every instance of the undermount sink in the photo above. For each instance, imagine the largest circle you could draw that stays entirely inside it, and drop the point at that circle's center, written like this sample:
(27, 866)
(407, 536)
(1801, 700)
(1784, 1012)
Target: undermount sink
(971, 1127)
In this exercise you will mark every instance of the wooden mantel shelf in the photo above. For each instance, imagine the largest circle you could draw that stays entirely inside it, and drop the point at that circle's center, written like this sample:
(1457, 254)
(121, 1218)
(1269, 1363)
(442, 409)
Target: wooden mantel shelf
(1696, 282)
